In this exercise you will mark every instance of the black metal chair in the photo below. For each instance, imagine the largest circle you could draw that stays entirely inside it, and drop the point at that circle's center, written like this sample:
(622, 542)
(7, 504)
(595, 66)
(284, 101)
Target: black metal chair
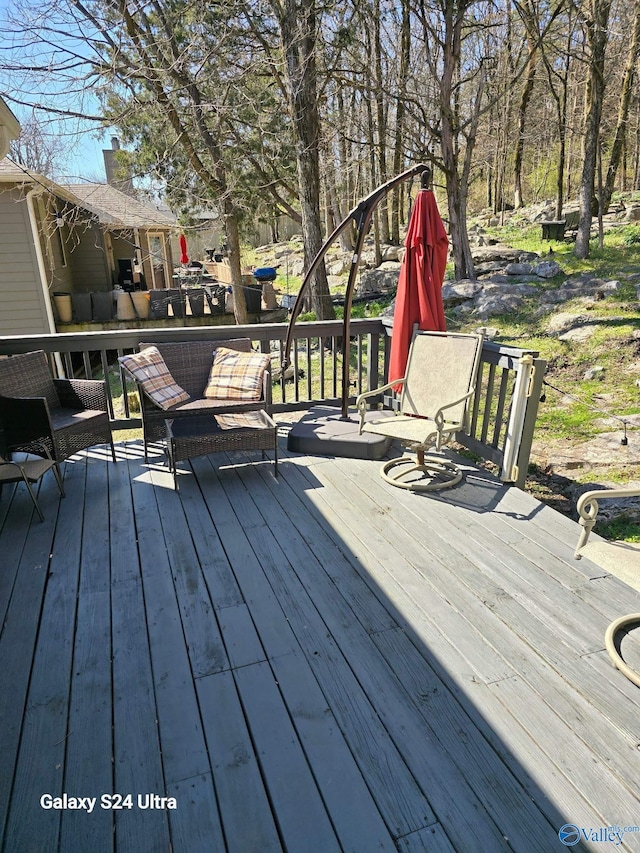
(29, 471)
(50, 417)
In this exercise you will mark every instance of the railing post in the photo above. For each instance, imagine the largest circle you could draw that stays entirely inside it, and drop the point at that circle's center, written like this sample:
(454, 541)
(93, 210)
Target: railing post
(535, 391)
(523, 412)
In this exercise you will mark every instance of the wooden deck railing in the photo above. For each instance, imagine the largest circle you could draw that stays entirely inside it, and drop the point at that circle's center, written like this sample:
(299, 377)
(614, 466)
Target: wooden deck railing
(503, 412)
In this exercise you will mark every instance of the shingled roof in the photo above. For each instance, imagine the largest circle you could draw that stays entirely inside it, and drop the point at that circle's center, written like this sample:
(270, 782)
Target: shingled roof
(113, 208)
(117, 209)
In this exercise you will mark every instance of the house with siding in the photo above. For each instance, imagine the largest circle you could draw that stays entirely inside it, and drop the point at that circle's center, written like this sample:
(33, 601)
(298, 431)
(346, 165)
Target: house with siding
(70, 240)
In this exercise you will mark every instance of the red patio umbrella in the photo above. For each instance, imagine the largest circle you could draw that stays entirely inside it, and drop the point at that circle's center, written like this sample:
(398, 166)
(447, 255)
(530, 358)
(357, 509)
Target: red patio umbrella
(184, 258)
(419, 298)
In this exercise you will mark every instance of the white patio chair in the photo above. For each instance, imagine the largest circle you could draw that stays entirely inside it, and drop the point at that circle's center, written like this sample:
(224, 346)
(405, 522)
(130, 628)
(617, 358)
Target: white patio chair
(438, 384)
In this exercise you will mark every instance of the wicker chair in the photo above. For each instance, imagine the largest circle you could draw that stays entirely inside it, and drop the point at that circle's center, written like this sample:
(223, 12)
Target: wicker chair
(189, 363)
(50, 417)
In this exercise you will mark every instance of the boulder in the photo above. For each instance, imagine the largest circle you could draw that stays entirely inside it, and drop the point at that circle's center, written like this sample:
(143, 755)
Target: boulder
(490, 304)
(560, 323)
(391, 253)
(378, 280)
(518, 269)
(547, 269)
(595, 372)
(456, 292)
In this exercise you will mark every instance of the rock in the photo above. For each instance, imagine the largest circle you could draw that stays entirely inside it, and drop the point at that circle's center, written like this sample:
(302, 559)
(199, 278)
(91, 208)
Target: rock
(560, 323)
(578, 335)
(525, 257)
(335, 281)
(503, 285)
(489, 333)
(339, 267)
(609, 286)
(489, 267)
(378, 280)
(633, 214)
(453, 293)
(596, 372)
(547, 269)
(498, 253)
(391, 253)
(489, 305)
(518, 269)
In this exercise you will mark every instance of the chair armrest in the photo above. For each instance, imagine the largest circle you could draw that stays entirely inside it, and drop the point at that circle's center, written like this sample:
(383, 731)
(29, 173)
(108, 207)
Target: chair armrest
(82, 393)
(360, 400)
(439, 419)
(588, 508)
(25, 420)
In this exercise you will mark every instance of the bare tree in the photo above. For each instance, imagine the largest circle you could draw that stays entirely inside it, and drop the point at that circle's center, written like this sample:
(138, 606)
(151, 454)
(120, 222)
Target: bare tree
(38, 149)
(595, 15)
(626, 92)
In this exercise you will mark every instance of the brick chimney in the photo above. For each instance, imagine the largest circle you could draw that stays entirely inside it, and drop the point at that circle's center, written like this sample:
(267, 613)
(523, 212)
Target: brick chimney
(114, 170)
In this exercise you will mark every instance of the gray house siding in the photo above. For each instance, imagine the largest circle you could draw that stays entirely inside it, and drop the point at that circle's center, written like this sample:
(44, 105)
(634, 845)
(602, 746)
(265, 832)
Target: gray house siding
(88, 259)
(22, 305)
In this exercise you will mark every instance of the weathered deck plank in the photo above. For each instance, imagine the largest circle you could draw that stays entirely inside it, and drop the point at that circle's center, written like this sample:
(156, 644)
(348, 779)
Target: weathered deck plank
(318, 662)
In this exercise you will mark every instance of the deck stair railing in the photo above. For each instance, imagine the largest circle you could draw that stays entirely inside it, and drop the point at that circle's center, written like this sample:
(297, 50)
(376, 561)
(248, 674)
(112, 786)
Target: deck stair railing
(503, 412)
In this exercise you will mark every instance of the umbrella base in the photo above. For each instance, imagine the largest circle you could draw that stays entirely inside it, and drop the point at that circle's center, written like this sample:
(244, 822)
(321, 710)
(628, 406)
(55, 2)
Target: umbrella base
(435, 473)
(323, 432)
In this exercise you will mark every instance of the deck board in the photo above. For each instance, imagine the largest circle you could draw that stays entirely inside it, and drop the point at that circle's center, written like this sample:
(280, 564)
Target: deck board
(310, 663)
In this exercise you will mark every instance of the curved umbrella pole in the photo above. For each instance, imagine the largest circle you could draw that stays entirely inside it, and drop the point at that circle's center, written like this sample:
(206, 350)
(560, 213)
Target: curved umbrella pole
(361, 215)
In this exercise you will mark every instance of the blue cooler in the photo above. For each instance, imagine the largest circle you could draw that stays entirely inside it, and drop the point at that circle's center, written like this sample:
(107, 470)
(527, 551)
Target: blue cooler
(265, 274)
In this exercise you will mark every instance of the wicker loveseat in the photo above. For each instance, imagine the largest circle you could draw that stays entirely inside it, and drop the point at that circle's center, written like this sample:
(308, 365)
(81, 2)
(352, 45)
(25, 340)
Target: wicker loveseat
(189, 363)
(47, 416)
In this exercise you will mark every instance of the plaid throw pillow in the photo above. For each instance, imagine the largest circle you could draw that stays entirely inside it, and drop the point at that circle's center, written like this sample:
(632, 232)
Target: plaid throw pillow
(236, 375)
(148, 368)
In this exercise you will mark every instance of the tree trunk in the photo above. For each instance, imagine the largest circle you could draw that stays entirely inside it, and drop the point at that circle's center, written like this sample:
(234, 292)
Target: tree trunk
(597, 36)
(398, 146)
(518, 196)
(233, 247)
(297, 21)
(381, 121)
(456, 190)
(620, 136)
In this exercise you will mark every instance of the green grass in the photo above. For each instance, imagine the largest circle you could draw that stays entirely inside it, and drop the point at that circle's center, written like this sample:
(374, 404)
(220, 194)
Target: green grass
(624, 527)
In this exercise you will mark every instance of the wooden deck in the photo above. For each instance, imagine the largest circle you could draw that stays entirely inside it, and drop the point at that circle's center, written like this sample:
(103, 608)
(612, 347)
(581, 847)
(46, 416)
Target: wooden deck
(319, 663)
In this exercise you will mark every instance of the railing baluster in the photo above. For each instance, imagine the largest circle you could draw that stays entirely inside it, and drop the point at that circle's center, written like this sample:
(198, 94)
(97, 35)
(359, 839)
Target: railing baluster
(486, 417)
(502, 396)
(105, 372)
(296, 383)
(321, 355)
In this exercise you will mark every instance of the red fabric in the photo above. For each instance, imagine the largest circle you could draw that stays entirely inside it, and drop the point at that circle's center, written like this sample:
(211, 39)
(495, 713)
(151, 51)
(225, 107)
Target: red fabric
(419, 297)
(184, 258)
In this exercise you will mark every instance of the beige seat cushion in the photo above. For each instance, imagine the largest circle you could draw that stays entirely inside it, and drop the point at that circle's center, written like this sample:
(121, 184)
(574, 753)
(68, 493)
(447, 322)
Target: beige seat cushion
(236, 375)
(150, 371)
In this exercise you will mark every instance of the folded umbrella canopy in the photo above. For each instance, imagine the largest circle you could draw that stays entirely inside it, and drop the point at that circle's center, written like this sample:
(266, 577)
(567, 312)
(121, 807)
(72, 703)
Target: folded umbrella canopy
(419, 297)
(184, 258)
